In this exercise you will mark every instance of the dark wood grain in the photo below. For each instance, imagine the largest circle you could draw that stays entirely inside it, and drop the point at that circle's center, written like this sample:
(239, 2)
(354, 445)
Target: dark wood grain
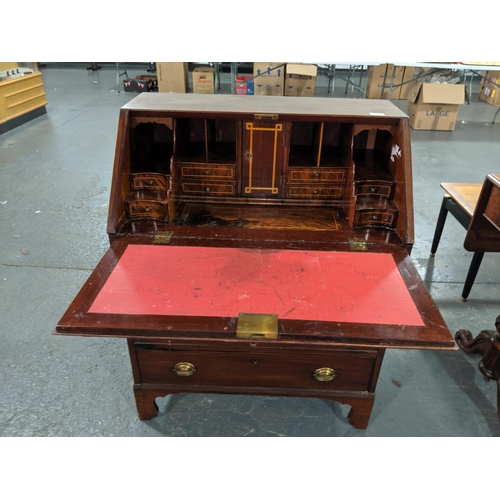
(267, 173)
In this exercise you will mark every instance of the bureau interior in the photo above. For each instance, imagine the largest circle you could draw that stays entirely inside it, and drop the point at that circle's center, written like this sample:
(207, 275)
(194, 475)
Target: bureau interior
(165, 163)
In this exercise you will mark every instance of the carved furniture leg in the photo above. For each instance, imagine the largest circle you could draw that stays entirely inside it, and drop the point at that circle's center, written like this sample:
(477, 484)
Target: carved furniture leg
(469, 344)
(486, 343)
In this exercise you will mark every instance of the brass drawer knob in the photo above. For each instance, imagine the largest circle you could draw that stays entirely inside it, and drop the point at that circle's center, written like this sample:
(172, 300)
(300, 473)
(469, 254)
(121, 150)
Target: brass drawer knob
(324, 374)
(184, 369)
(315, 191)
(207, 172)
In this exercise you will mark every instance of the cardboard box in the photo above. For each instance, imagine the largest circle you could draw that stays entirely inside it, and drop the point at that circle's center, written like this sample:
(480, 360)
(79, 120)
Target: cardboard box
(172, 77)
(409, 72)
(434, 106)
(141, 83)
(244, 85)
(268, 78)
(204, 80)
(490, 92)
(300, 80)
(375, 81)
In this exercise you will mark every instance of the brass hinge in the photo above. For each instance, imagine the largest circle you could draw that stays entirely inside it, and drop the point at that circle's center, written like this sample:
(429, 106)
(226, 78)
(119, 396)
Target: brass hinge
(265, 116)
(251, 326)
(163, 237)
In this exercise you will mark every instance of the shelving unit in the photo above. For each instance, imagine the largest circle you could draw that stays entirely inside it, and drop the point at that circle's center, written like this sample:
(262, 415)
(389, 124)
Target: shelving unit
(21, 98)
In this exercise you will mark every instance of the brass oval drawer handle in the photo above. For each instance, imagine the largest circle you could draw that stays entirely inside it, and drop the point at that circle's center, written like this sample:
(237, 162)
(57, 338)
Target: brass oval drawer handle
(324, 374)
(184, 369)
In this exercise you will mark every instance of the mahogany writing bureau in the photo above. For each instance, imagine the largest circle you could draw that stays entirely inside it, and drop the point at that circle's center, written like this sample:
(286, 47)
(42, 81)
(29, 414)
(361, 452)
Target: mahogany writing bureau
(259, 245)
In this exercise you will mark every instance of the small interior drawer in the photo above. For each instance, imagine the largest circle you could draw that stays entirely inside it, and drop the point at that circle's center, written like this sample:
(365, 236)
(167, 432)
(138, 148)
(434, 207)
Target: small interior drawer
(317, 175)
(379, 188)
(208, 189)
(209, 171)
(150, 181)
(322, 191)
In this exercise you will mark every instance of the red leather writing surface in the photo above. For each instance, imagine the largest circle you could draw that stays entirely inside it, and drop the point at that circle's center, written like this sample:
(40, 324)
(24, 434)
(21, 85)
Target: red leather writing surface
(295, 284)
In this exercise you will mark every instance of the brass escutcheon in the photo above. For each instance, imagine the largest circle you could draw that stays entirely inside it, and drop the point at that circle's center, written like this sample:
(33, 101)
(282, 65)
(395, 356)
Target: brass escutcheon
(324, 374)
(184, 369)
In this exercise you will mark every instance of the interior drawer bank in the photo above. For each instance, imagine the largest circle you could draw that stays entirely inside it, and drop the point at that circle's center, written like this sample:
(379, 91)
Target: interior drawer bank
(335, 370)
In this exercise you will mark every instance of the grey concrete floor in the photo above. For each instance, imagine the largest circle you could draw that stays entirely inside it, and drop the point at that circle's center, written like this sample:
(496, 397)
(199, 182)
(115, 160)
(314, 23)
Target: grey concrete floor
(55, 180)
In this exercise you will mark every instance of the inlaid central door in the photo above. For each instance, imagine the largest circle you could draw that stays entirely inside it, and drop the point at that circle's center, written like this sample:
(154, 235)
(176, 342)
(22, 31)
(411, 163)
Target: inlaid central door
(262, 165)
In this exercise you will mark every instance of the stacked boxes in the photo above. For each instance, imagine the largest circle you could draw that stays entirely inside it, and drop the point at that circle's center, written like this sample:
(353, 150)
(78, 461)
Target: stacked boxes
(244, 85)
(434, 106)
(204, 80)
(300, 80)
(375, 88)
(172, 77)
(409, 72)
(490, 91)
(268, 78)
(141, 83)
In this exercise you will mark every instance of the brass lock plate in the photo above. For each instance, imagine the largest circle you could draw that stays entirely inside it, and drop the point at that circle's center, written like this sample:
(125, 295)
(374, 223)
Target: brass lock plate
(163, 237)
(252, 326)
(358, 244)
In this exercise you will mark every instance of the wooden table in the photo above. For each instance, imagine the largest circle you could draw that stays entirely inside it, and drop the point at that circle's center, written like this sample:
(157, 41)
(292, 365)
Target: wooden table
(477, 208)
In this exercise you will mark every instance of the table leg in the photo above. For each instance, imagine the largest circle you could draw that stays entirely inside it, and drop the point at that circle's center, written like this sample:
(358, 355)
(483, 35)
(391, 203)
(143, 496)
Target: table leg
(361, 408)
(443, 212)
(360, 413)
(471, 275)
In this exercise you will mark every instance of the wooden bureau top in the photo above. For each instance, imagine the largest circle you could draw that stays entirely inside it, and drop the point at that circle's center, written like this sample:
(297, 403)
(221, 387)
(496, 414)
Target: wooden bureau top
(223, 103)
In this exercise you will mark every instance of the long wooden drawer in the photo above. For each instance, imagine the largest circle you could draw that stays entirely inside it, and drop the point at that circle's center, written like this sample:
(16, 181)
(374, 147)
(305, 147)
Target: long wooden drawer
(208, 188)
(317, 175)
(208, 171)
(315, 191)
(342, 371)
(156, 182)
